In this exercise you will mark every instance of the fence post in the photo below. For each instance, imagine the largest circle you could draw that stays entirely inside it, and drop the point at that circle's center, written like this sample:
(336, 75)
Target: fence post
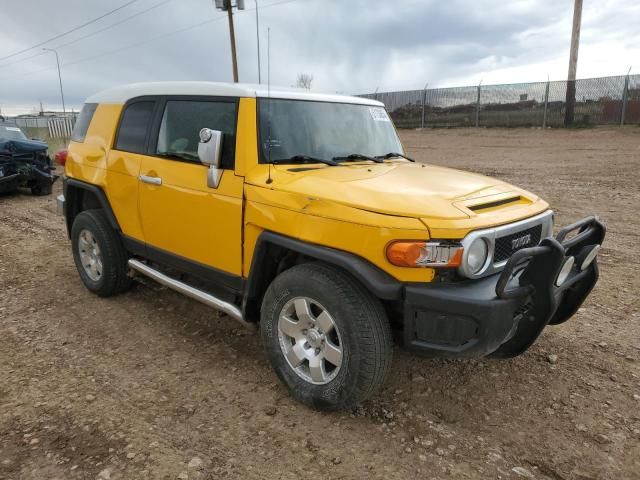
(478, 107)
(546, 104)
(625, 92)
(424, 101)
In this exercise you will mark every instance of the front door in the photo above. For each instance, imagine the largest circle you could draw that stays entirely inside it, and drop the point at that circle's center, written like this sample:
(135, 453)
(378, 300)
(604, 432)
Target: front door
(184, 220)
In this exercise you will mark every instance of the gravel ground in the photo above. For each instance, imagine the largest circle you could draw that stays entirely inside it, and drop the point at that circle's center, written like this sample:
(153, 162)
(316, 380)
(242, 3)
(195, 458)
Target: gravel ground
(153, 385)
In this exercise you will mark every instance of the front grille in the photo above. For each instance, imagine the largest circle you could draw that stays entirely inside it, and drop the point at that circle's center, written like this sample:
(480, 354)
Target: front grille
(504, 245)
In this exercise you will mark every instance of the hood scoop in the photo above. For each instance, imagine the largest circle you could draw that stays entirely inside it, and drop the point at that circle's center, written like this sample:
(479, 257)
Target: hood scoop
(494, 203)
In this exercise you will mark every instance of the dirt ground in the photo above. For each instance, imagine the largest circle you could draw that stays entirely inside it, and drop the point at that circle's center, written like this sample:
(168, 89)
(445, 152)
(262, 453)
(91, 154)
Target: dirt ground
(153, 385)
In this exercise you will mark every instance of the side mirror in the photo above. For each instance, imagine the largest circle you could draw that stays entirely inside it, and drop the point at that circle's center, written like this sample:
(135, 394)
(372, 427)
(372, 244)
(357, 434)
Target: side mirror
(210, 152)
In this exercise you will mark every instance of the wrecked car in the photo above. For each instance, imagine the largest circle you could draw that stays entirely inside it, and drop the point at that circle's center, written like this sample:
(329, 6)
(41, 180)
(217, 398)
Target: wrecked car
(24, 162)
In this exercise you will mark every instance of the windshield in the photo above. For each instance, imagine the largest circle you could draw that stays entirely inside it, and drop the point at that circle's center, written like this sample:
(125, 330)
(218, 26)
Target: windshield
(8, 132)
(324, 130)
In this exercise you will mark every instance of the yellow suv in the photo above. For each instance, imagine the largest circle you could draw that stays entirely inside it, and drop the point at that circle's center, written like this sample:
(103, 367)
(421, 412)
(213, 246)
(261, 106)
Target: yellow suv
(300, 213)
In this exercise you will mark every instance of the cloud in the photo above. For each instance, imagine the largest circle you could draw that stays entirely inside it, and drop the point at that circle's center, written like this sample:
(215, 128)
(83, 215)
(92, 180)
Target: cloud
(351, 46)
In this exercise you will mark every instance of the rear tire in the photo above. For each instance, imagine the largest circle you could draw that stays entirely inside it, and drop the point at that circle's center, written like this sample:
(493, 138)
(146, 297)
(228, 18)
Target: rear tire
(327, 337)
(99, 255)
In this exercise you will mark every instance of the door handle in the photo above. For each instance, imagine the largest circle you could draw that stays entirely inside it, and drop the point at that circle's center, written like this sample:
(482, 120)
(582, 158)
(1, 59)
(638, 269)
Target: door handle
(151, 180)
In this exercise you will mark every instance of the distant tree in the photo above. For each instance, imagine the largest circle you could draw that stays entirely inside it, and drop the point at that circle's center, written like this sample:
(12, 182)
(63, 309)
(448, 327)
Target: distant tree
(304, 81)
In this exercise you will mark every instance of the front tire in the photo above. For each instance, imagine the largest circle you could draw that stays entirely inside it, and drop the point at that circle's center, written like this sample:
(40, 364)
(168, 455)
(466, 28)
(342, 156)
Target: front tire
(99, 255)
(327, 337)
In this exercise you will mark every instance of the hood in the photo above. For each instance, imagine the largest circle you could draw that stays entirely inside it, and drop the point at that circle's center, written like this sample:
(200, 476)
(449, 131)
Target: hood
(402, 189)
(21, 146)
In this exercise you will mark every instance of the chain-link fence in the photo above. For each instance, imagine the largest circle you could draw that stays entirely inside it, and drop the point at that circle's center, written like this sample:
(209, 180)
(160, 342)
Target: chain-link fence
(598, 101)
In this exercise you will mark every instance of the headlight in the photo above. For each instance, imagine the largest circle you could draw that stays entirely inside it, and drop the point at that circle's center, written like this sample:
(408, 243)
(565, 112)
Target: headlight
(476, 255)
(565, 270)
(587, 255)
(424, 254)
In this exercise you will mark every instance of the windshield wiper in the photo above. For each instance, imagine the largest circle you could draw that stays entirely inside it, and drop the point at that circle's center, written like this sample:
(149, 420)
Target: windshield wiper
(394, 154)
(357, 156)
(305, 159)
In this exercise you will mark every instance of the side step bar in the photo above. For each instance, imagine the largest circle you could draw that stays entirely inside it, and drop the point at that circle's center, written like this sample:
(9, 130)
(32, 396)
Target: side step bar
(204, 297)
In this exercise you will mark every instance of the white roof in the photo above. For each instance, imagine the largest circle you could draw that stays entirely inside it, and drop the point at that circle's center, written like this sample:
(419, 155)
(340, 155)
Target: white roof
(123, 93)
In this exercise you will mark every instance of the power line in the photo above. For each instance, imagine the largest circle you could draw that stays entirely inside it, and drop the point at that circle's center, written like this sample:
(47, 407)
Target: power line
(91, 34)
(69, 31)
(134, 45)
(114, 24)
(152, 39)
(23, 59)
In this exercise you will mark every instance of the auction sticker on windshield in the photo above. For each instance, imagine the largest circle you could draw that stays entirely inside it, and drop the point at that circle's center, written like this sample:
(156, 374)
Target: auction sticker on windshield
(379, 114)
(12, 129)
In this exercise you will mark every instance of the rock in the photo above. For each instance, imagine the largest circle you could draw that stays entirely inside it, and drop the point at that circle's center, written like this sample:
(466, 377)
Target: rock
(131, 455)
(636, 396)
(602, 344)
(407, 449)
(581, 427)
(600, 438)
(523, 472)
(552, 359)
(34, 441)
(270, 411)
(422, 457)
(105, 474)
(90, 398)
(195, 462)
(440, 451)
(183, 476)
(337, 460)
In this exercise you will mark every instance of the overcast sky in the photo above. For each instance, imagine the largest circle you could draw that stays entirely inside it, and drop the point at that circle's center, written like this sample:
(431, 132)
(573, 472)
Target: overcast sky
(349, 46)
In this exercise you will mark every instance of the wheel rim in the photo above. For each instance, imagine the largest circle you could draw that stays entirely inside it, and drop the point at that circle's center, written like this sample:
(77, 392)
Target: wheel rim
(90, 255)
(310, 340)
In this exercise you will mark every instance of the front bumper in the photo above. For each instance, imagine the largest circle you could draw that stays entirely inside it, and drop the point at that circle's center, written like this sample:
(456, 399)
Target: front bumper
(502, 315)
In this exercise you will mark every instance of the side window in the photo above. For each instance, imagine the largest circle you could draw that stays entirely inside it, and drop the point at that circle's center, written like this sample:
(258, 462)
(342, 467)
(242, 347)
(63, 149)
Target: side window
(182, 121)
(134, 125)
(83, 121)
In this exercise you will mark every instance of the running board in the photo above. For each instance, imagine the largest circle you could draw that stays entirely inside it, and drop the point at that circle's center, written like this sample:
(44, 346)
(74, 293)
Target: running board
(191, 292)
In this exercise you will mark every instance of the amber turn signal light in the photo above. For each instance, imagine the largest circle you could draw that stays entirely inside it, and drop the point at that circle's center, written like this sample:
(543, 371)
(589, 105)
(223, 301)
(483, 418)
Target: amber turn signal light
(424, 254)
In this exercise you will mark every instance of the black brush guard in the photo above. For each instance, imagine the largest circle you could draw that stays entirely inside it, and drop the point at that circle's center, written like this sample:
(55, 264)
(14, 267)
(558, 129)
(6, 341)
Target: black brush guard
(503, 315)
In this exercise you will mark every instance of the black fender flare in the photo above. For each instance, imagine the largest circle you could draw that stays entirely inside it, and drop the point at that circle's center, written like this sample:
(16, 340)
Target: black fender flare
(377, 281)
(72, 208)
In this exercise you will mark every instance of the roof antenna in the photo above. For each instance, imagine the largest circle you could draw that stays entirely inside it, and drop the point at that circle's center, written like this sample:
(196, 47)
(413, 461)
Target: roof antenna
(269, 179)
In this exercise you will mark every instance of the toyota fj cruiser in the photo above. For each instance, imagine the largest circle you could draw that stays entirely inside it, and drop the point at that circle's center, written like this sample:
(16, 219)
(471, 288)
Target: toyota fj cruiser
(300, 213)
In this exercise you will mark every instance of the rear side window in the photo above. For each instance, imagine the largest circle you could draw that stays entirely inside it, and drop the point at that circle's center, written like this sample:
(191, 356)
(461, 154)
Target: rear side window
(134, 126)
(182, 121)
(83, 122)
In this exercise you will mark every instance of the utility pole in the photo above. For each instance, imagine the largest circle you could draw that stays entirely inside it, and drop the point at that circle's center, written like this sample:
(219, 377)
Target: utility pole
(573, 64)
(226, 5)
(258, 40)
(64, 111)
